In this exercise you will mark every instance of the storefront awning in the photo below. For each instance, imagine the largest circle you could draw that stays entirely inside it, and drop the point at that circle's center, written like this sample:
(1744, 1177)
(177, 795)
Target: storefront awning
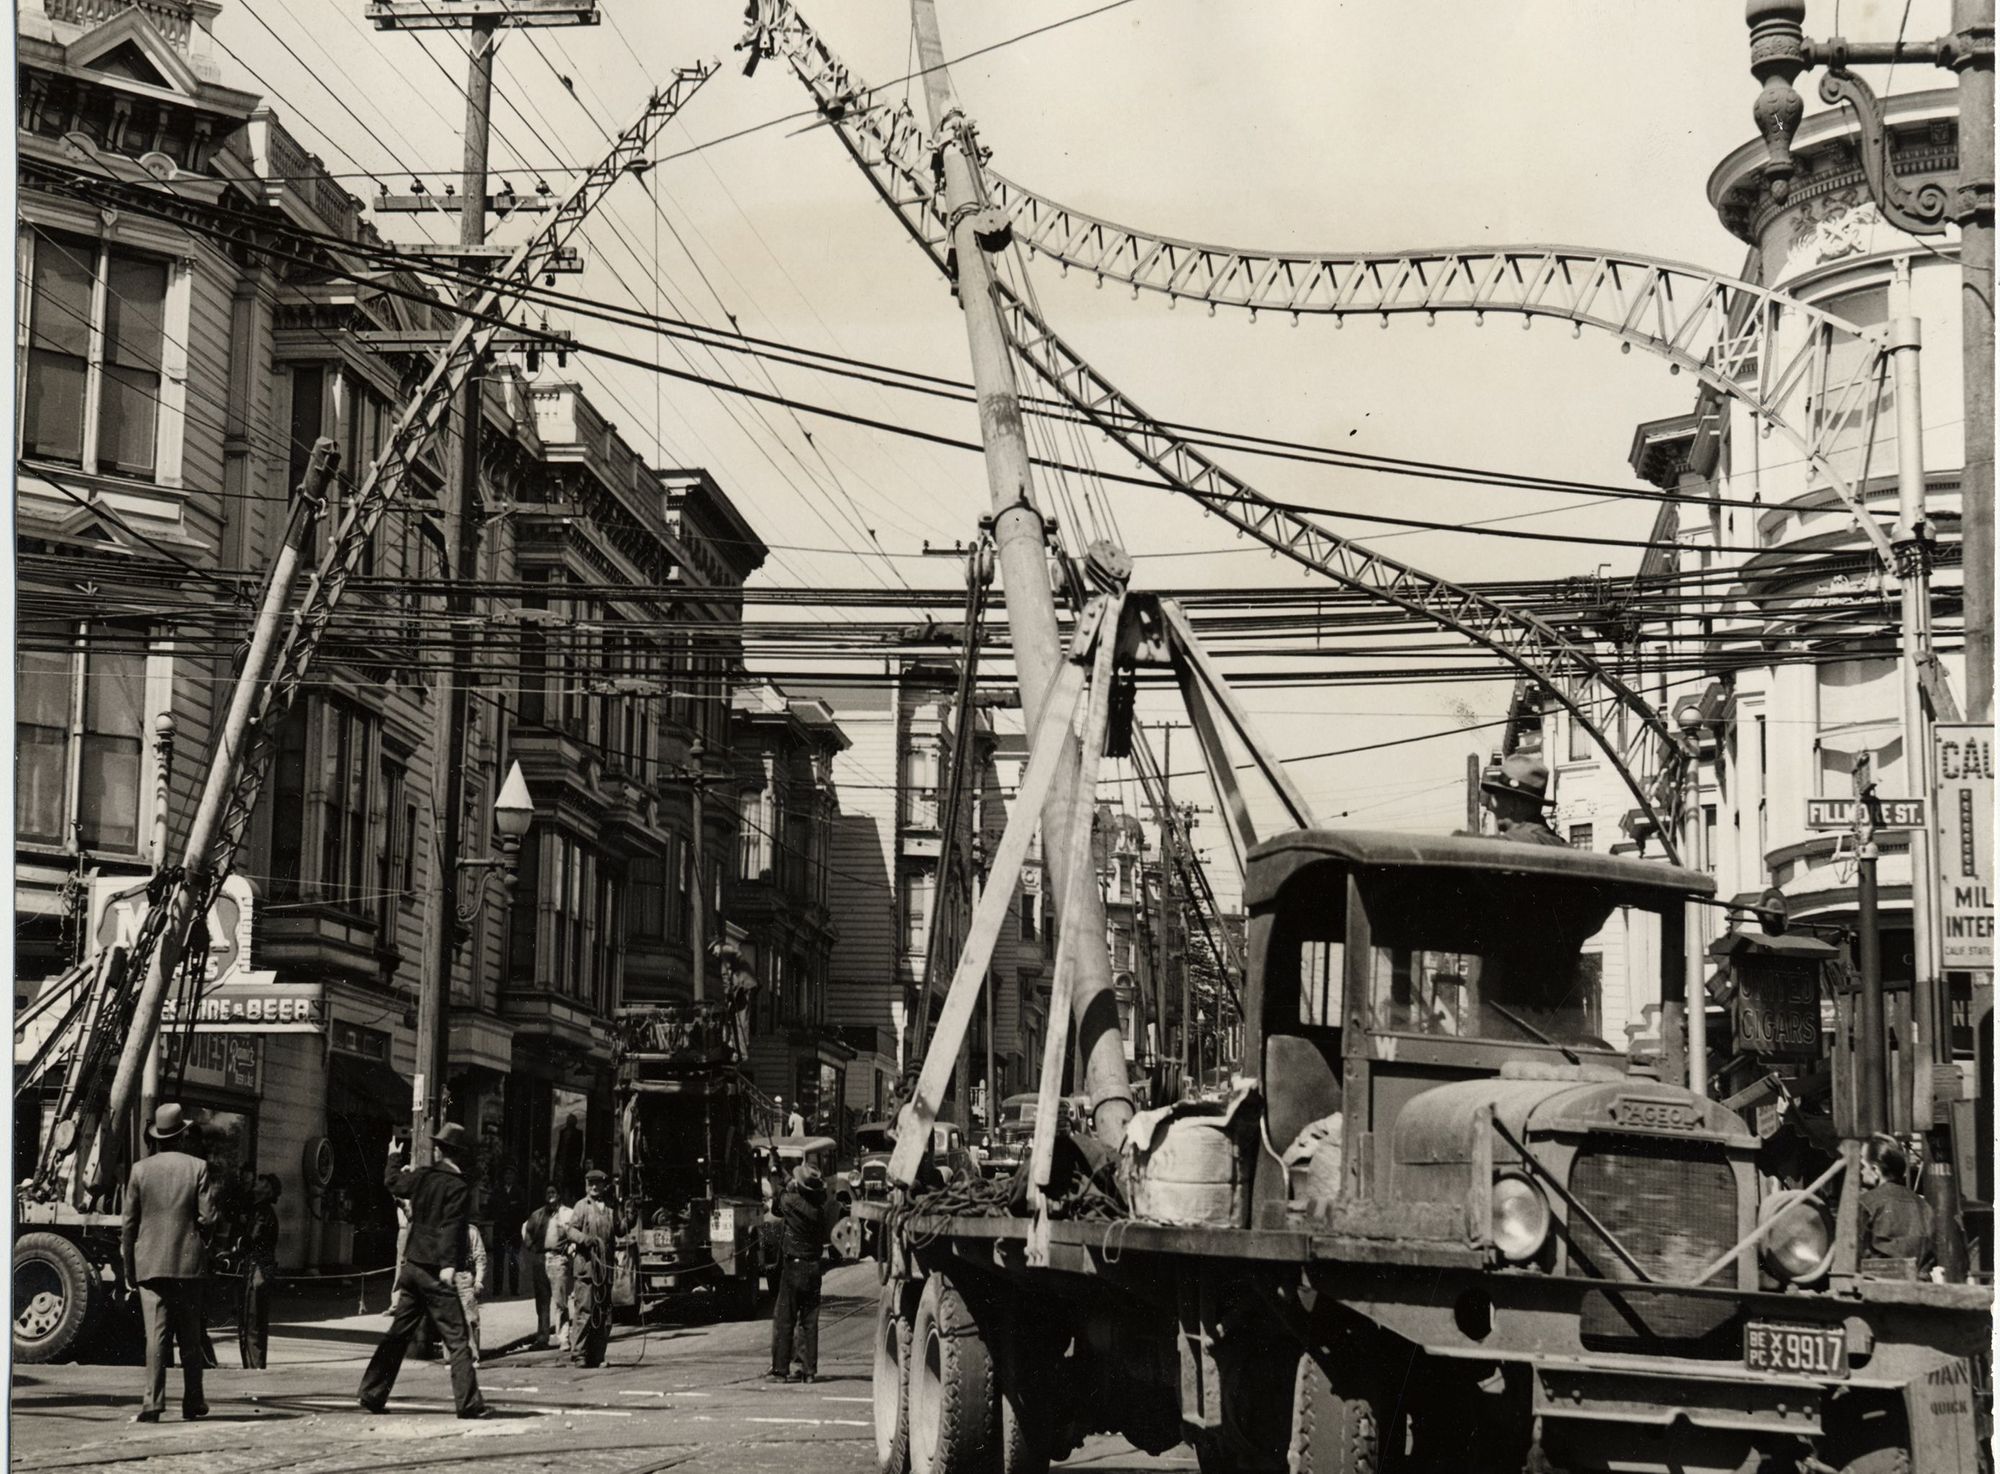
(366, 1088)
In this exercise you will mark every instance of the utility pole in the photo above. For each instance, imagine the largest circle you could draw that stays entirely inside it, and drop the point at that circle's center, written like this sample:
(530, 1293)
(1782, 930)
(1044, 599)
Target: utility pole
(1021, 545)
(1872, 1104)
(163, 774)
(698, 907)
(463, 514)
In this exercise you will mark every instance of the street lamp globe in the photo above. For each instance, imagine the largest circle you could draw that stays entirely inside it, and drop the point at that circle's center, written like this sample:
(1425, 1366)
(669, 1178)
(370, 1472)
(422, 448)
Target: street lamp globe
(514, 809)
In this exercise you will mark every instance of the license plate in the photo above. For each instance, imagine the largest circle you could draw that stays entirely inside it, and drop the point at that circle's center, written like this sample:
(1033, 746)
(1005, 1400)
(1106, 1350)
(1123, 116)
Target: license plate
(1812, 1351)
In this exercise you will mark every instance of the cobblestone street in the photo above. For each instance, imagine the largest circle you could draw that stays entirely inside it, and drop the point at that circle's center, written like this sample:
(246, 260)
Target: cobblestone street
(678, 1394)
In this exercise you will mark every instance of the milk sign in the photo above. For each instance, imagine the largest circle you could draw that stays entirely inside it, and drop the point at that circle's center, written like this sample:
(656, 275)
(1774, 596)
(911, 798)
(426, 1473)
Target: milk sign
(1965, 842)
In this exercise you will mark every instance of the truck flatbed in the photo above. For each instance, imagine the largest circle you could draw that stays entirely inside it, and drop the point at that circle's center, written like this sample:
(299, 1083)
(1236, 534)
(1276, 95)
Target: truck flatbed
(1083, 1245)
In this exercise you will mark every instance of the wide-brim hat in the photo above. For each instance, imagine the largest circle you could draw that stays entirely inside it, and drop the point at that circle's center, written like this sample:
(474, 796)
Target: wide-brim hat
(450, 1138)
(1522, 774)
(169, 1121)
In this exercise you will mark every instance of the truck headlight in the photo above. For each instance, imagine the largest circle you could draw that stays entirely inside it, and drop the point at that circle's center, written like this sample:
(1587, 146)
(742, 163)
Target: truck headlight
(1521, 1217)
(1798, 1244)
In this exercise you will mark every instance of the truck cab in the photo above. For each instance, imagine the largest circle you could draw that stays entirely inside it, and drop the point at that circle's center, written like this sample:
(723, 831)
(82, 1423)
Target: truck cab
(1565, 1246)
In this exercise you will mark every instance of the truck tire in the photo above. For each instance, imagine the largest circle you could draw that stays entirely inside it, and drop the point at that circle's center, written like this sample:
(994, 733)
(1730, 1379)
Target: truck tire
(893, 1331)
(1337, 1416)
(56, 1297)
(1024, 1447)
(954, 1412)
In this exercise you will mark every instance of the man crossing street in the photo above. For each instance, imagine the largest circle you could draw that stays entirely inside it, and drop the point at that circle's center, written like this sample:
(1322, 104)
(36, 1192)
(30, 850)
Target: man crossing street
(440, 1202)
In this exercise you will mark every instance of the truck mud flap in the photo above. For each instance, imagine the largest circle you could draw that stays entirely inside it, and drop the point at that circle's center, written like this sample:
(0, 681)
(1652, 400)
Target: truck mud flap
(1721, 1404)
(1943, 1407)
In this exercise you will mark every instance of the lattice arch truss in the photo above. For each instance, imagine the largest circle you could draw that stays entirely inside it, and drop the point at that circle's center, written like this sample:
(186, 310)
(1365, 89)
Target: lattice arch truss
(1762, 348)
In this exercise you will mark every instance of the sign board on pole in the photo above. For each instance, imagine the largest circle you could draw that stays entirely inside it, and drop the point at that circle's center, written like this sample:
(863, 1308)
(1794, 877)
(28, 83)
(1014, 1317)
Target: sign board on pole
(1838, 813)
(1965, 842)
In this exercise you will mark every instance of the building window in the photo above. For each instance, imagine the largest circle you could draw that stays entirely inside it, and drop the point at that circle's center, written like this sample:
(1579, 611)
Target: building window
(1581, 748)
(1582, 836)
(79, 732)
(327, 793)
(646, 894)
(920, 786)
(1031, 905)
(916, 913)
(308, 418)
(94, 371)
(677, 887)
(392, 849)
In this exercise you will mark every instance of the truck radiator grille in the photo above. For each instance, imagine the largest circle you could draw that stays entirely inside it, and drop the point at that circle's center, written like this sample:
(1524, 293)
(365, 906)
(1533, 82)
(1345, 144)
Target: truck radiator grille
(1672, 1205)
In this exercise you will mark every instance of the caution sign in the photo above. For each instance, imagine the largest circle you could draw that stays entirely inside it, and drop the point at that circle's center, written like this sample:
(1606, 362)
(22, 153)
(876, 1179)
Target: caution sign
(1965, 842)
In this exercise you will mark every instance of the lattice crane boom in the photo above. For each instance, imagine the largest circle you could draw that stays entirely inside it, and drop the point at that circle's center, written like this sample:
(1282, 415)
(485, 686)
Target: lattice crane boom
(270, 681)
(894, 153)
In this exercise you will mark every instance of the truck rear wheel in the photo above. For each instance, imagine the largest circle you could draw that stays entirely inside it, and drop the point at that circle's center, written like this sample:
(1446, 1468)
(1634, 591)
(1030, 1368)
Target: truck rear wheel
(55, 1297)
(893, 1332)
(954, 1414)
(1338, 1415)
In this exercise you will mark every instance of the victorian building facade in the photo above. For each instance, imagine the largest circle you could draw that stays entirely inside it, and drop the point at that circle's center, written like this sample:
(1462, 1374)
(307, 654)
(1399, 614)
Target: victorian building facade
(778, 891)
(173, 378)
(1763, 555)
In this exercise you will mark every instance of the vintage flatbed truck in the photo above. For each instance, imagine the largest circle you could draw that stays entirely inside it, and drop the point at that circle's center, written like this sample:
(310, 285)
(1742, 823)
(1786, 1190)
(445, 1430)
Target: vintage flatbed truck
(1526, 1252)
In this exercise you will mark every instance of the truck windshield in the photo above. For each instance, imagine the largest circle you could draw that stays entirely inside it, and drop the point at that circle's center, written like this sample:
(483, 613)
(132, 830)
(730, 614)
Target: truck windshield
(1018, 1115)
(1460, 956)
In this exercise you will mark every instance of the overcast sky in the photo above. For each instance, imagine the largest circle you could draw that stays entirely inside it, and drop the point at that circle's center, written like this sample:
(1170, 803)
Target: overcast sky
(1301, 125)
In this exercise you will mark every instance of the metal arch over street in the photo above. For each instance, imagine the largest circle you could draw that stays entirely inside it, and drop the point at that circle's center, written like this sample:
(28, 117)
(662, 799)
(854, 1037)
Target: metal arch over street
(1764, 348)
(896, 155)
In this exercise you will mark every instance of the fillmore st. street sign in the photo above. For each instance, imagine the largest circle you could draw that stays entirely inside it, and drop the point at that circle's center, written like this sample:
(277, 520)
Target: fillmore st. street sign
(235, 997)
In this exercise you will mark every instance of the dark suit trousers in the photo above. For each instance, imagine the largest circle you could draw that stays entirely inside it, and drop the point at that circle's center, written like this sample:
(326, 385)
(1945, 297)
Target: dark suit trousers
(796, 1315)
(172, 1310)
(424, 1297)
(253, 1322)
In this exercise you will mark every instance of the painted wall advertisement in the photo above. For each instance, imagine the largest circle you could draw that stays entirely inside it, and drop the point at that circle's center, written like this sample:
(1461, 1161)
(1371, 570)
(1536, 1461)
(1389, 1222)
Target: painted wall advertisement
(1965, 842)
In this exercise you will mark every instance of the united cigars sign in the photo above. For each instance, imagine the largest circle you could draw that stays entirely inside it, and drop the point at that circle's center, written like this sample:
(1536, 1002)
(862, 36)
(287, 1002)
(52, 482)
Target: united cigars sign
(1965, 842)
(235, 997)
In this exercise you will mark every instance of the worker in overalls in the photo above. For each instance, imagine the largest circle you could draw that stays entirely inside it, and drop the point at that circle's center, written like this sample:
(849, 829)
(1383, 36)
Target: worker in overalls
(588, 1235)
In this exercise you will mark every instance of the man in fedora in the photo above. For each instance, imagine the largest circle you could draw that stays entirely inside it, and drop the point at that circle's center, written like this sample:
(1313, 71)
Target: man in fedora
(1518, 794)
(440, 1202)
(169, 1209)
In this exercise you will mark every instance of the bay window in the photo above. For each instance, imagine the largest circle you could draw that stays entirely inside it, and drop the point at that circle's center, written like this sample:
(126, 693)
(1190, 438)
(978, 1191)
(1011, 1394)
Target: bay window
(324, 815)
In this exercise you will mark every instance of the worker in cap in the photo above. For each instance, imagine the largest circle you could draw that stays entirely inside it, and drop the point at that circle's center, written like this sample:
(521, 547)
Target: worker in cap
(1518, 794)
(589, 1234)
(807, 1213)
